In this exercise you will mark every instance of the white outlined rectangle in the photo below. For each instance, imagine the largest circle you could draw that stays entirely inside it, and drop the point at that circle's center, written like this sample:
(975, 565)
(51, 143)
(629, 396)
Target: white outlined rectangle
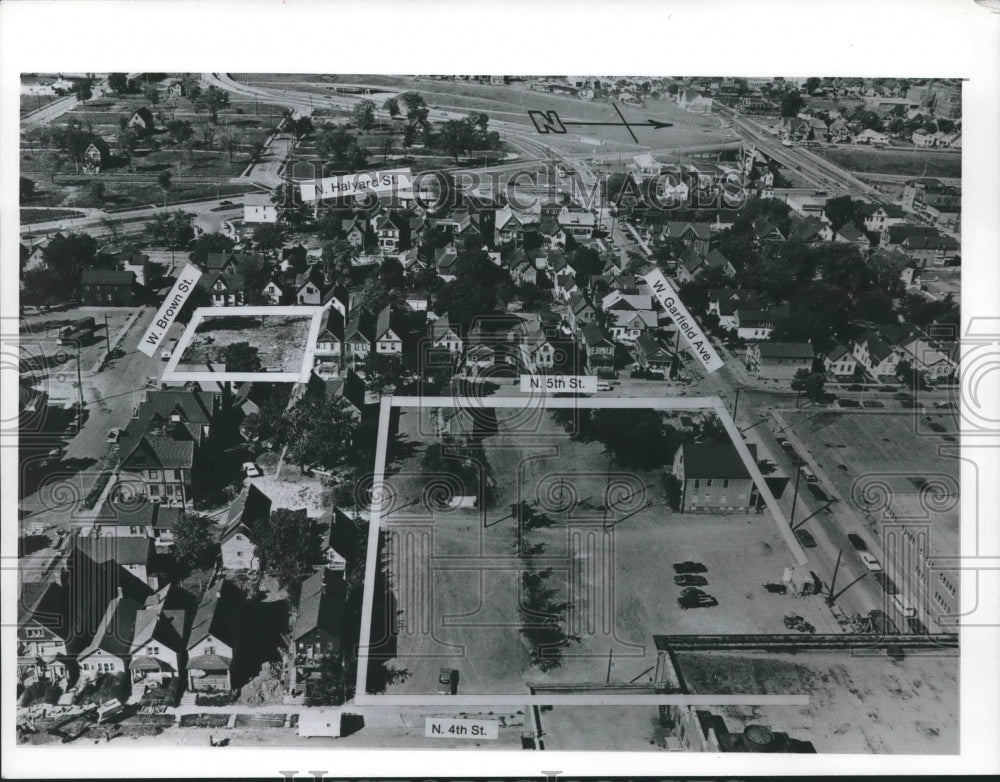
(299, 375)
(595, 698)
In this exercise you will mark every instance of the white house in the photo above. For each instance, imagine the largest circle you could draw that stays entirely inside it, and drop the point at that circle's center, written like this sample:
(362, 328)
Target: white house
(258, 208)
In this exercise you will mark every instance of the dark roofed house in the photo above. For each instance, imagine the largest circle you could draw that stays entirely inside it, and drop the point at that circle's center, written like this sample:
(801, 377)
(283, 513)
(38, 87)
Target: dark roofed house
(652, 354)
(341, 542)
(318, 625)
(248, 510)
(96, 156)
(779, 360)
(107, 288)
(714, 477)
(44, 633)
(600, 350)
(215, 638)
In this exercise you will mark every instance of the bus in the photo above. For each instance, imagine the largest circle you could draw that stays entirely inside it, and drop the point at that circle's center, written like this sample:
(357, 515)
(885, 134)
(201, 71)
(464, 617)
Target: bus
(79, 331)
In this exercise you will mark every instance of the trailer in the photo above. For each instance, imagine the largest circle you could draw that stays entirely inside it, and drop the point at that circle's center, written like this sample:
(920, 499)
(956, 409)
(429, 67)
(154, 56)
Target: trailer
(79, 331)
(319, 722)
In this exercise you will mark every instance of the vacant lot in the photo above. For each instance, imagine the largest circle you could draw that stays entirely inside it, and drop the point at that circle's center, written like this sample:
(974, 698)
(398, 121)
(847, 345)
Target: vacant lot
(456, 572)
(279, 340)
(883, 161)
(856, 704)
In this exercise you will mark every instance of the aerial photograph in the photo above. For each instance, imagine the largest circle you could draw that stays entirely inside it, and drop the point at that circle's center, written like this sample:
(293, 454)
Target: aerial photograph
(500, 412)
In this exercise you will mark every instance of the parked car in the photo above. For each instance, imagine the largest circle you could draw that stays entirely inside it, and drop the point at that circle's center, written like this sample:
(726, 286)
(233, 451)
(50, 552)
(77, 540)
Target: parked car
(870, 562)
(690, 580)
(689, 567)
(695, 598)
(251, 470)
(805, 538)
(903, 607)
(168, 350)
(944, 405)
(857, 541)
(114, 435)
(872, 403)
(808, 474)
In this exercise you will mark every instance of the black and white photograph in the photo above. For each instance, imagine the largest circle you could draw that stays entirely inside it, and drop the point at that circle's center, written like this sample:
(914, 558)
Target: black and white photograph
(500, 410)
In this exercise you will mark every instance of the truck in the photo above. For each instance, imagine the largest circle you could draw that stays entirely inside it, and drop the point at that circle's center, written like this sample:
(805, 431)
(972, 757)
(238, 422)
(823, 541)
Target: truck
(78, 332)
(168, 350)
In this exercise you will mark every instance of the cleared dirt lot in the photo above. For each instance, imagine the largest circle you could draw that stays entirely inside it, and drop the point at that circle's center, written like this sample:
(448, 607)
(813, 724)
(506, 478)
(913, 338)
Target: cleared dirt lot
(279, 340)
(456, 573)
(857, 704)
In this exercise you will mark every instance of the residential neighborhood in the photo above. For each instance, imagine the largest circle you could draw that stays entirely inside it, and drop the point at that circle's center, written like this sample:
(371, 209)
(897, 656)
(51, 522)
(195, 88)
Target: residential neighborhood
(295, 349)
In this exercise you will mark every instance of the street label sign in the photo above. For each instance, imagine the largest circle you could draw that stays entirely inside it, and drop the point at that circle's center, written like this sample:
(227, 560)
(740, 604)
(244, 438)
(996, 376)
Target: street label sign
(437, 728)
(397, 181)
(168, 311)
(697, 342)
(586, 384)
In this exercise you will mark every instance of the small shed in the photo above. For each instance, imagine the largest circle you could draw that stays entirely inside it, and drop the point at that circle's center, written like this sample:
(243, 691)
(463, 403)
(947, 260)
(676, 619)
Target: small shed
(319, 722)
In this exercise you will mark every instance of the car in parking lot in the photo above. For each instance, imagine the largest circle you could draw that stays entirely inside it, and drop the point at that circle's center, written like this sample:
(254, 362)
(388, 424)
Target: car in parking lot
(870, 562)
(251, 470)
(784, 444)
(689, 567)
(857, 541)
(944, 405)
(808, 474)
(805, 538)
(114, 435)
(872, 403)
(690, 580)
(695, 598)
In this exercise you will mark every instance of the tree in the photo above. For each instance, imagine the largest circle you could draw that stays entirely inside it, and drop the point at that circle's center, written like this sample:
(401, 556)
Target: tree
(163, 179)
(255, 271)
(193, 543)
(385, 148)
(811, 84)
(211, 101)
(319, 432)
(391, 105)
(791, 104)
(474, 291)
(364, 115)
(288, 545)
(416, 106)
(98, 191)
(83, 89)
(334, 678)
(44, 286)
(118, 82)
(843, 210)
(240, 357)
(268, 236)
(810, 383)
(151, 94)
(383, 372)
(180, 130)
(127, 140)
(945, 125)
(173, 230)
(209, 243)
(303, 125)
(27, 188)
(338, 258)
(67, 256)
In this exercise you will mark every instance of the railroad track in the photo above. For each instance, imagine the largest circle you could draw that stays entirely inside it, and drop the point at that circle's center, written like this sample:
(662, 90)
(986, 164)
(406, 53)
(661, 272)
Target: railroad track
(804, 642)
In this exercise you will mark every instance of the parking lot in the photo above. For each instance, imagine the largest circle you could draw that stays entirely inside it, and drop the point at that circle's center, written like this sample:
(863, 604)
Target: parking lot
(456, 573)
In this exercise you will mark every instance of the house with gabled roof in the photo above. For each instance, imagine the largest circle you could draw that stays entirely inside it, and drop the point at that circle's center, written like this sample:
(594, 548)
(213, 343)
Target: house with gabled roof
(851, 234)
(810, 230)
(330, 338)
(884, 216)
(840, 362)
(45, 633)
(652, 354)
(697, 236)
(250, 509)
(309, 287)
(765, 231)
(689, 265)
(107, 288)
(358, 232)
(392, 232)
(216, 637)
(716, 260)
(579, 311)
(875, 354)
(225, 288)
(341, 541)
(509, 227)
(319, 623)
(553, 234)
(600, 350)
(445, 335)
(96, 156)
(141, 121)
(274, 291)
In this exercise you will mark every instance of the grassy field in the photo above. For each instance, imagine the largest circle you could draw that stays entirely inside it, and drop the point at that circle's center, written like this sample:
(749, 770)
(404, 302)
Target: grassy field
(882, 161)
(44, 215)
(615, 572)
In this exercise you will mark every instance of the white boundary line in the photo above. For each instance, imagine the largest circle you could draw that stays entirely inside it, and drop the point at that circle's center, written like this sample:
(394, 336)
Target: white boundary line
(301, 375)
(712, 403)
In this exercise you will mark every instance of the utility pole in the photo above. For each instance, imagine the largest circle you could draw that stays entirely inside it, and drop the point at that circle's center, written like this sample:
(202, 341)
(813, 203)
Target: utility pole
(736, 404)
(610, 653)
(795, 497)
(107, 336)
(79, 389)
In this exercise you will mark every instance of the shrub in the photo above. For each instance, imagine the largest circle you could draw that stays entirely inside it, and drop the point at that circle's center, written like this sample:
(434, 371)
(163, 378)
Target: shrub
(33, 693)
